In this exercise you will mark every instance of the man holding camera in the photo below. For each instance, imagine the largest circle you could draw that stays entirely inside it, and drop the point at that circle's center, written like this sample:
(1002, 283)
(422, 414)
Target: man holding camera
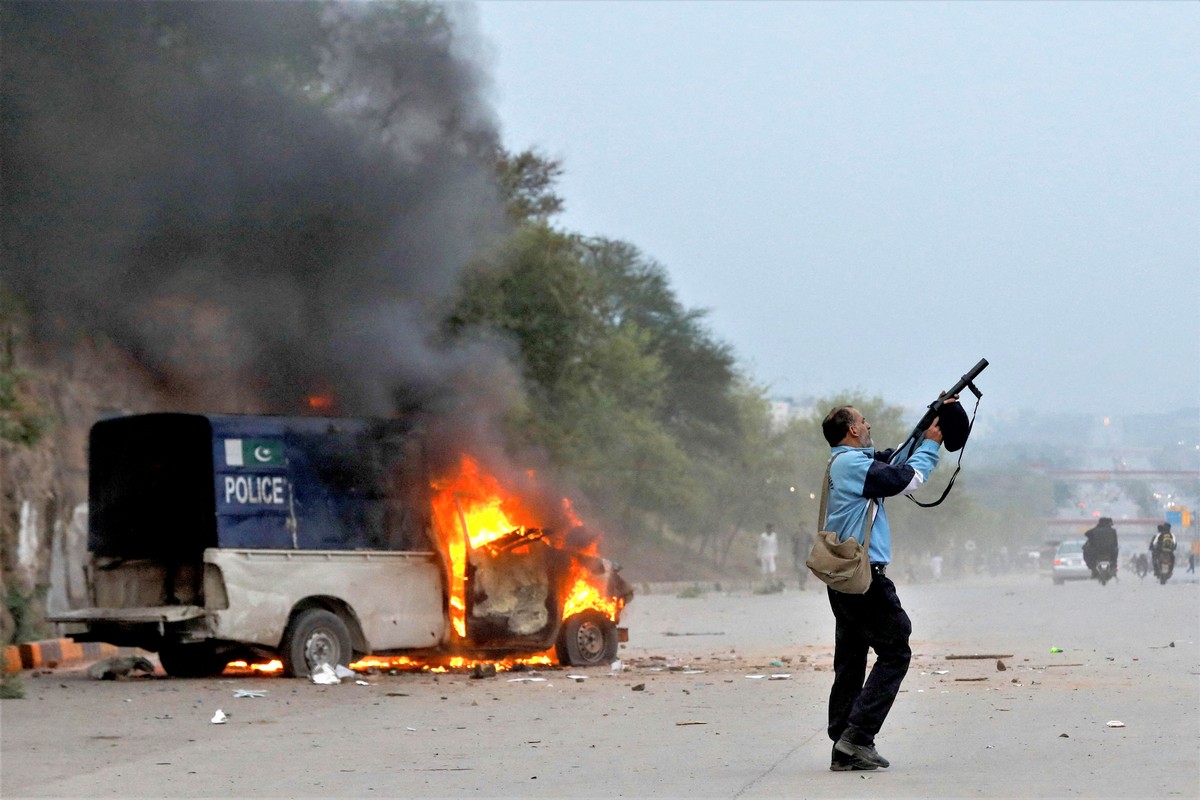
(860, 478)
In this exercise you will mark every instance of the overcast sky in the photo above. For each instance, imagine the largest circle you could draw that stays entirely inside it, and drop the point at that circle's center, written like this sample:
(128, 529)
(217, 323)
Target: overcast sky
(875, 196)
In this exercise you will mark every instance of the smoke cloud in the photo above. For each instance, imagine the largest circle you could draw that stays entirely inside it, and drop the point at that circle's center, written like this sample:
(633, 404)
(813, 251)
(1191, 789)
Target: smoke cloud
(272, 199)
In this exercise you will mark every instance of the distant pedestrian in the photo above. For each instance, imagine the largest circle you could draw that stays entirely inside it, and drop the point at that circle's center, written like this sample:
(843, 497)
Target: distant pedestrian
(768, 548)
(935, 566)
(1191, 562)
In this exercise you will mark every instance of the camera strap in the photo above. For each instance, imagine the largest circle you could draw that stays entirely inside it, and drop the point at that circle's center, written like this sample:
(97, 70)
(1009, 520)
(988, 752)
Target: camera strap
(958, 466)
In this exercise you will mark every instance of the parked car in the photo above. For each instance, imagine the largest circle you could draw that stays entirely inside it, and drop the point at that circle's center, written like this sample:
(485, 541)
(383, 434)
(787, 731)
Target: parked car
(1068, 562)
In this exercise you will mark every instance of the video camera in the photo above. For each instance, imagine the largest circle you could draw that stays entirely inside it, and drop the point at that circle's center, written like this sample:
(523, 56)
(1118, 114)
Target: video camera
(953, 422)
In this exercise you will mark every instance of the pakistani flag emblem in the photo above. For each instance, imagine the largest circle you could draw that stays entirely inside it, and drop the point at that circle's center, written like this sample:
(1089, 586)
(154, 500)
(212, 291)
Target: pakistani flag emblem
(253, 453)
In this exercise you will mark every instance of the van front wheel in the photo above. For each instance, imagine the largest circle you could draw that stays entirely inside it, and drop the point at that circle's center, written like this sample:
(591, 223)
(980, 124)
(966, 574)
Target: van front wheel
(315, 637)
(587, 639)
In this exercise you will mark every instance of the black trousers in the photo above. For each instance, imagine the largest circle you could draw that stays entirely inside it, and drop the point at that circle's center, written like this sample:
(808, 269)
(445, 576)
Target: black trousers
(859, 703)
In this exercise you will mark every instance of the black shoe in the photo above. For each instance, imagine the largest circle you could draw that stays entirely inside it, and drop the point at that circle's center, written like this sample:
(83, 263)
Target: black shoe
(860, 756)
(842, 763)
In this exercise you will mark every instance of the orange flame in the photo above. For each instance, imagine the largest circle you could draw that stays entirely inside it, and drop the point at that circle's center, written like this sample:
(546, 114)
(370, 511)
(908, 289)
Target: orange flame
(585, 595)
(319, 402)
(475, 502)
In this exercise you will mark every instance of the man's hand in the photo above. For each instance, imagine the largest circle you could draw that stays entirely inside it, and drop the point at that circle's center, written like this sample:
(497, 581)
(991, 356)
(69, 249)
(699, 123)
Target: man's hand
(934, 431)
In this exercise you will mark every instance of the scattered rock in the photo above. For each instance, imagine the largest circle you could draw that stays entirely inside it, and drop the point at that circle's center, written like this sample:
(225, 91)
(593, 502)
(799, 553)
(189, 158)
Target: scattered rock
(483, 671)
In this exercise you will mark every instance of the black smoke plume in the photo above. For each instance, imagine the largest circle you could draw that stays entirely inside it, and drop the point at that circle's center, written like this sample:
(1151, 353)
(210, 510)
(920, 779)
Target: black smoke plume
(272, 198)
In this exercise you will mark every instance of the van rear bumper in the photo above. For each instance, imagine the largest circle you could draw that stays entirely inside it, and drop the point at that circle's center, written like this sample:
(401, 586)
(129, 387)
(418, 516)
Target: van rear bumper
(131, 616)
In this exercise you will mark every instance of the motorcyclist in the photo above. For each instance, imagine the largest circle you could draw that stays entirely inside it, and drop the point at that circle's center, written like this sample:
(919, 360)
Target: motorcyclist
(1101, 545)
(1163, 542)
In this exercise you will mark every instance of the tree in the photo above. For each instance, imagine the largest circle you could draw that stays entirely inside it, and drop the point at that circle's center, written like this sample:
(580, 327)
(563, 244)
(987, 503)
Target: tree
(527, 184)
(621, 380)
(699, 403)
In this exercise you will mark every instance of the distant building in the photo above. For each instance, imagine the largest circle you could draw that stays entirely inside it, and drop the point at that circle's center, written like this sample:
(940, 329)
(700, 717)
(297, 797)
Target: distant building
(785, 409)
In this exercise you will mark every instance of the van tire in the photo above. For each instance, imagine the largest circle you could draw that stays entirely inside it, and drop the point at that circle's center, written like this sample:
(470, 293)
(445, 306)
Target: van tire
(587, 639)
(315, 637)
(199, 660)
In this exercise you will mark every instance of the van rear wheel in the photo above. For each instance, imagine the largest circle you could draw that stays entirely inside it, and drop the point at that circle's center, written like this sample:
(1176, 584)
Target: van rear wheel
(315, 637)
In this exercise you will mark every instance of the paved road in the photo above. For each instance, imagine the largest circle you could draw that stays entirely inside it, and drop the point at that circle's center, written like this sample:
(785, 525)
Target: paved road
(1036, 729)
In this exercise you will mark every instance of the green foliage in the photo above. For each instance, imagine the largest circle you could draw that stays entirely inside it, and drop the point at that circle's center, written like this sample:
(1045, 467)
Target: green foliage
(20, 420)
(527, 185)
(21, 607)
(615, 373)
(11, 687)
(699, 407)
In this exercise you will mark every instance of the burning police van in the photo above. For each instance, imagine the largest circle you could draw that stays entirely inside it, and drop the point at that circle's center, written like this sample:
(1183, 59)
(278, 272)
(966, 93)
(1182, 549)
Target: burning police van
(319, 540)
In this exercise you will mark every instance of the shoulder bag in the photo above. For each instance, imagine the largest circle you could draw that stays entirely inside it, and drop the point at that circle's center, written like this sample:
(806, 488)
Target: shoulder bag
(842, 566)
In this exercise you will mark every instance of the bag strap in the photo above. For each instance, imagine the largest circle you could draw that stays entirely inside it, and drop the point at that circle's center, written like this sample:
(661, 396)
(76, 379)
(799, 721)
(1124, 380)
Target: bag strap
(822, 519)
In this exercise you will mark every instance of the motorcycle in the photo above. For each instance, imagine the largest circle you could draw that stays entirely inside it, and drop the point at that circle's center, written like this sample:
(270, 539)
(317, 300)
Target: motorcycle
(1164, 565)
(1105, 571)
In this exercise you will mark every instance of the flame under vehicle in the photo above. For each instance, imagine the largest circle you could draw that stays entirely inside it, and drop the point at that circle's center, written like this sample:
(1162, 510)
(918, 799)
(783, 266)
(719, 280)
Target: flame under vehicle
(319, 540)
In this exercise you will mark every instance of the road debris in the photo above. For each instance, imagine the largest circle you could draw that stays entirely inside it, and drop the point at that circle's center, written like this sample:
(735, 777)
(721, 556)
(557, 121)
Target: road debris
(325, 676)
(249, 692)
(980, 656)
(483, 671)
(970, 679)
(690, 722)
(641, 687)
(219, 718)
(1000, 666)
(526, 680)
(111, 669)
(344, 672)
(1115, 723)
(694, 633)
(1056, 650)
